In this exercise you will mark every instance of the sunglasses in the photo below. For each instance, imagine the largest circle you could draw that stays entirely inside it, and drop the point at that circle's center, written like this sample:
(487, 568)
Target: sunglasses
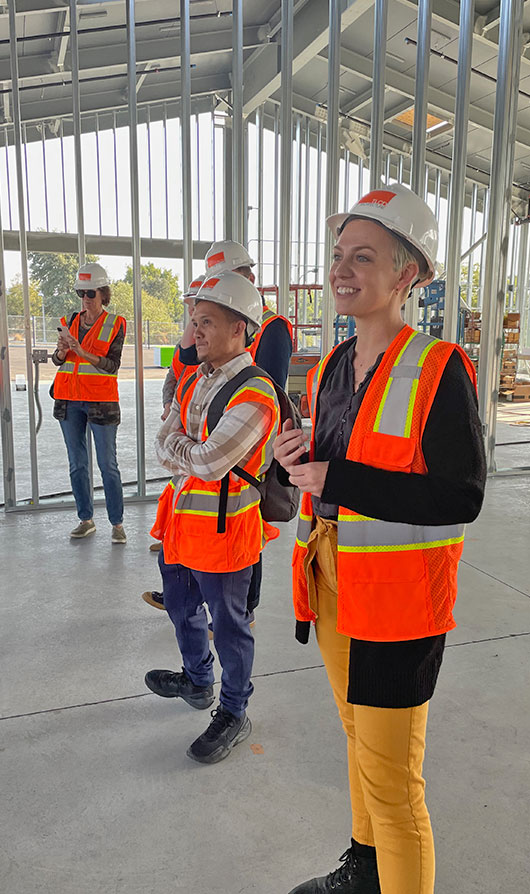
(90, 293)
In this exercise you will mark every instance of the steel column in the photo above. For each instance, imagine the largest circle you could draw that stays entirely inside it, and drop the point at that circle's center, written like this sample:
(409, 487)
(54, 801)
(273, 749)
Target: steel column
(166, 197)
(522, 271)
(437, 193)
(45, 177)
(298, 193)
(378, 102)
(346, 202)
(275, 272)
(63, 181)
(318, 203)
(136, 252)
(423, 55)
(115, 155)
(238, 169)
(185, 133)
(6, 410)
(259, 166)
(149, 172)
(214, 181)
(500, 196)
(473, 229)
(286, 155)
(98, 167)
(332, 169)
(26, 173)
(307, 175)
(458, 170)
(8, 178)
(23, 248)
(198, 162)
(76, 110)
(419, 137)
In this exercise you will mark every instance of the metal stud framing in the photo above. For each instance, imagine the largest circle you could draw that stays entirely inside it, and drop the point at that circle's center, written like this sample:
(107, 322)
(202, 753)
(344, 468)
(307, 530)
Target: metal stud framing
(23, 249)
(495, 266)
(136, 253)
(332, 168)
(238, 171)
(286, 156)
(378, 102)
(458, 171)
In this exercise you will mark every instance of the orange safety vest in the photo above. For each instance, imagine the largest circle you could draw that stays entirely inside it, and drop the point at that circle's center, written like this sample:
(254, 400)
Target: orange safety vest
(268, 317)
(77, 379)
(186, 520)
(395, 581)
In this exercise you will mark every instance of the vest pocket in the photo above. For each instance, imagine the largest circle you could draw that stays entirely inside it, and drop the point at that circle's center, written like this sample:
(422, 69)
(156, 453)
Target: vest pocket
(390, 452)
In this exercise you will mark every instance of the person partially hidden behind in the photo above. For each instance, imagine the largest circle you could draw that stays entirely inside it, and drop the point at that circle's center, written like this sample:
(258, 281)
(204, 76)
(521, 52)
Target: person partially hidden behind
(395, 469)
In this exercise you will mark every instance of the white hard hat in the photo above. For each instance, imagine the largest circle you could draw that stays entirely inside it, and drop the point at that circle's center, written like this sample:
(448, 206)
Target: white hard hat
(91, 276)
(227, 255)
(236, 293)
(405, 214)
(194, 286)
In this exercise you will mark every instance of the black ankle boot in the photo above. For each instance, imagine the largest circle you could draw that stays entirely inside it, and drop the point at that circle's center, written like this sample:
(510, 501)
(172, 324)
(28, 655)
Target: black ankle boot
(357, 875)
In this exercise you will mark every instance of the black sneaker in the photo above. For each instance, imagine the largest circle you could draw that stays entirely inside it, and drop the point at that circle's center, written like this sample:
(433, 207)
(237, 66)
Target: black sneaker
(357, 875)
(154, 598)
(169, 684)
(217, 741)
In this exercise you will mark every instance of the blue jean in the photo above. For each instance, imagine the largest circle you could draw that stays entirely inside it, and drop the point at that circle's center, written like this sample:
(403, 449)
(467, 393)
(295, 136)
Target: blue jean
(185, 592)
(74, 433)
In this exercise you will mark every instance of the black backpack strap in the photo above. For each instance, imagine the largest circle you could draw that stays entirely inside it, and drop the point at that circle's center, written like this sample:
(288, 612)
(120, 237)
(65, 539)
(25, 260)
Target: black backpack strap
(215, 411)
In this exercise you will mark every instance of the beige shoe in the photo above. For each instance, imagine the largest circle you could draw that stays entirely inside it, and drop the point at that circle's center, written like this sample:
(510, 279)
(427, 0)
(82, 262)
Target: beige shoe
(156, 546)
(83, 529)
(118, 534)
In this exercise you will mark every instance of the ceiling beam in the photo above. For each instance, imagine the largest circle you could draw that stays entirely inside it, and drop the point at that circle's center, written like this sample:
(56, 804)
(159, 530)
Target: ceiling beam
(262, 76)
(439, 101)
(93, 59)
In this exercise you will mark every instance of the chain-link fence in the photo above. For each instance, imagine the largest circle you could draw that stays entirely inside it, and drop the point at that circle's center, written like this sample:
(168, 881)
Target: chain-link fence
(44, 331)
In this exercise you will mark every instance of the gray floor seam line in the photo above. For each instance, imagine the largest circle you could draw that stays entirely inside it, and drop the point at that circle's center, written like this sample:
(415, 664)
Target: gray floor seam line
(503, 582)
(125, 698)
(292, 670)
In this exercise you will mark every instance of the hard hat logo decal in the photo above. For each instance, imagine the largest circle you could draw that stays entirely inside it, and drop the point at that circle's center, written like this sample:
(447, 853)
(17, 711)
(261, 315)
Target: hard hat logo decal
(210, 283)
(379, 197)
(219, 258)
(195, 284)
(85, 276)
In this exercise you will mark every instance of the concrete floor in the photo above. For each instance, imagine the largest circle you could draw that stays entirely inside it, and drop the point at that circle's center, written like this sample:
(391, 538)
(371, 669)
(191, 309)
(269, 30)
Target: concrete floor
(98, 796)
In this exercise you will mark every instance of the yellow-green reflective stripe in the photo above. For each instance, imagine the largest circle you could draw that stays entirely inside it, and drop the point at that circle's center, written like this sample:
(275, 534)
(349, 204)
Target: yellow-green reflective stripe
(410, 408)
(301, 543)
(96, 372)
(414, 391)
(399, 547)
(382, 404)
(344, 517)
(209, 512)
(405, 346)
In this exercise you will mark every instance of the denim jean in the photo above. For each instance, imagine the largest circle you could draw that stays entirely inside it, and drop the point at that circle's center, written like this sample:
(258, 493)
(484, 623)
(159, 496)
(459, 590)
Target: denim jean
(185, 592)
(74, 433)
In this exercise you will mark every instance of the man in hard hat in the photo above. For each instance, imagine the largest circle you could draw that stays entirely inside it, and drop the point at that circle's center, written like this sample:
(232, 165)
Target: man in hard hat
(176, 368)
(272, 346)
(198, 564)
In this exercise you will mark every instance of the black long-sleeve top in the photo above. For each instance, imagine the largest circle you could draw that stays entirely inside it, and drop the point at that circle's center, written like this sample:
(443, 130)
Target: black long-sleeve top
(99, 412)
(401, 674)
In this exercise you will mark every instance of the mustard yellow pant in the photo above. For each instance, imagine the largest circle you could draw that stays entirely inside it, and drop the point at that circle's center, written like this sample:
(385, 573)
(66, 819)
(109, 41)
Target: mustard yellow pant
(385, 746)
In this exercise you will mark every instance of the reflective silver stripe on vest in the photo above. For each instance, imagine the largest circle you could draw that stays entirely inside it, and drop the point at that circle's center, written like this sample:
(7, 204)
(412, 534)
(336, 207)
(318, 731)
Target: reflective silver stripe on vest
(316, 386)
(94, 371)
(303, 530)
(67, 367)
(200, 503)
(394, 416)
(371, 535)
(267, 314)
(106, 329)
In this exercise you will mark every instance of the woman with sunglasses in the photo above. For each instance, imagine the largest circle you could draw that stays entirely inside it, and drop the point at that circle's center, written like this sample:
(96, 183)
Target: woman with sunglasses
(85, 389)
(395, 469)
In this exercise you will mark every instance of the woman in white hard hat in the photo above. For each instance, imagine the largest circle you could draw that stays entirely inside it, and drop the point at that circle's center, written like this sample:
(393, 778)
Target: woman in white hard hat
(395, 468)
(85, 389)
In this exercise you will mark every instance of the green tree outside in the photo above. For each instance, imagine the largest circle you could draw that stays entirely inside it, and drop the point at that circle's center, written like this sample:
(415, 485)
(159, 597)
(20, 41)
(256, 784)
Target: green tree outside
(15, 298)
(162, 284)
(55, 274)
